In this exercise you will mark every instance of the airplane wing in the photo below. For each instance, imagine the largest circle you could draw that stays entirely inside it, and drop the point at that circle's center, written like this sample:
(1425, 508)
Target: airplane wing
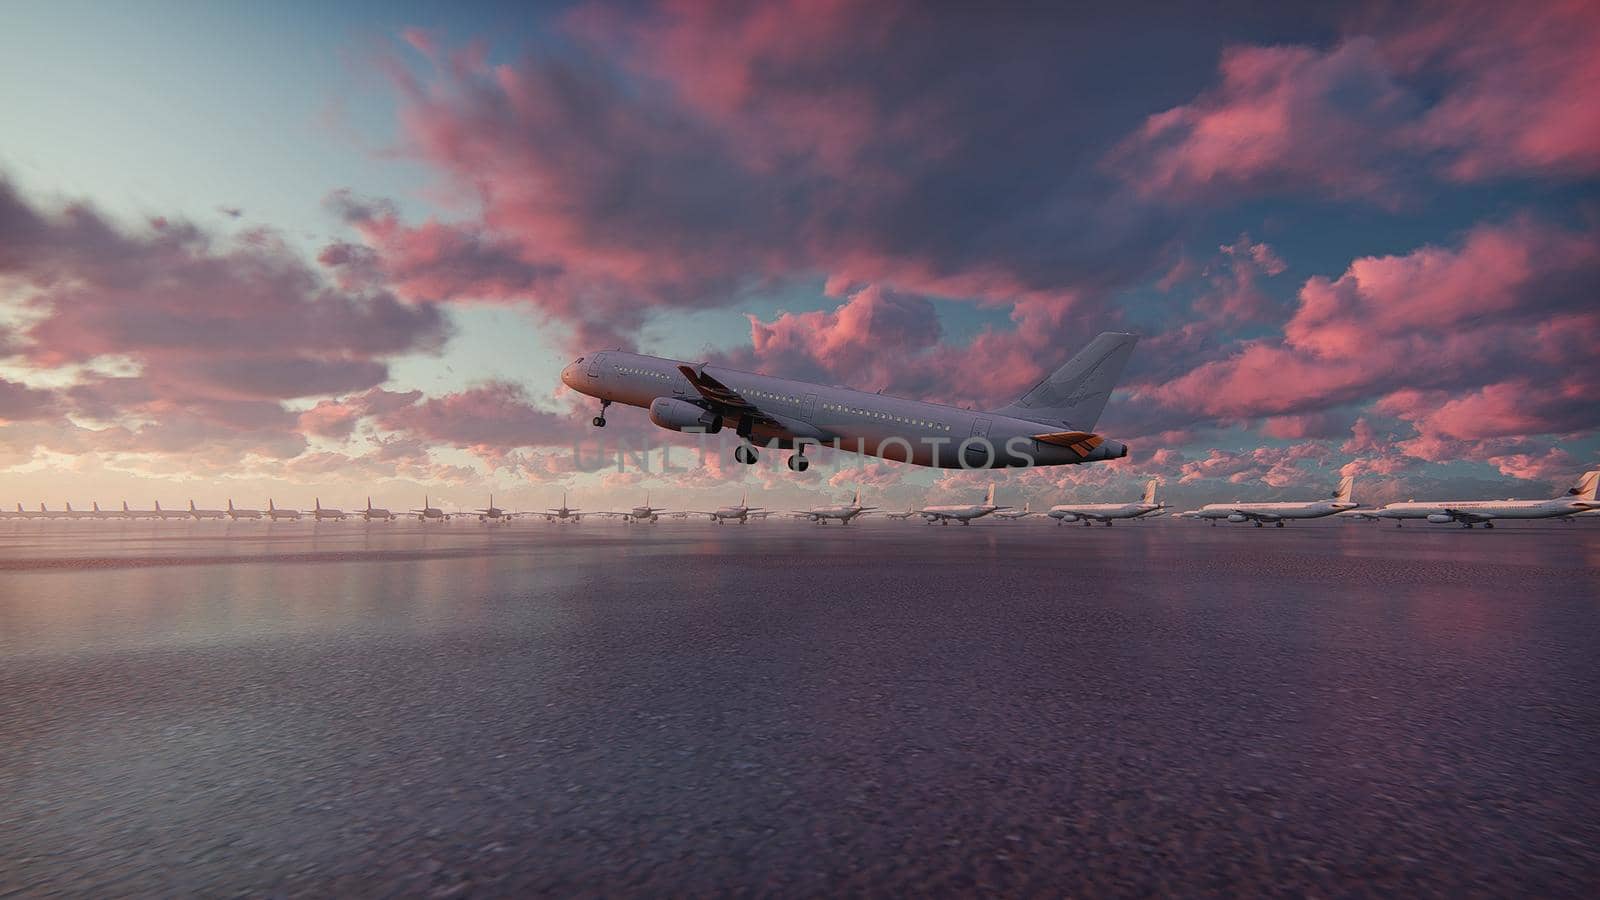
(1463, 516)
(723, 398)
(1257, 516)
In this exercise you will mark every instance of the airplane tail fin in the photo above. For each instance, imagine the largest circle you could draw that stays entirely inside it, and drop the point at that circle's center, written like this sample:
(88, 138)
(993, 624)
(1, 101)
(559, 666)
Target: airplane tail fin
(230, 504)
(158, 506)
(988, 499)
(96, 505)
(270, 507)
(1150, 493)
(317, 503)
(69, 506)
(124, 506)
(1342, 494)
(1585, 488)
(1076, 393)
(191, 504)
(857, 500)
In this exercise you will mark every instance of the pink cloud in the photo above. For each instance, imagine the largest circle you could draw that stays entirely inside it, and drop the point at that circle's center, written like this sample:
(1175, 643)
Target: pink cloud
(1284, 118)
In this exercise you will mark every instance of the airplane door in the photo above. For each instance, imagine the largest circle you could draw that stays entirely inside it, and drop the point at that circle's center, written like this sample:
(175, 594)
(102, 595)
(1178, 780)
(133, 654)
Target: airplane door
(808, 406)
(594, 365)
(980, 428)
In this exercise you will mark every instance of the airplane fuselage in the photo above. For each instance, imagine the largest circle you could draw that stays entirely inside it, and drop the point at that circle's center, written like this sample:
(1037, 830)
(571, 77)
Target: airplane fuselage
(1271, 512)
(1485, 509)
(894, 428)
(1100, 512)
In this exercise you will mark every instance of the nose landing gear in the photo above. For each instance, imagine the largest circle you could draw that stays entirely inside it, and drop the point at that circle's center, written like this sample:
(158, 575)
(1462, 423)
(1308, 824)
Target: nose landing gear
(600, 420)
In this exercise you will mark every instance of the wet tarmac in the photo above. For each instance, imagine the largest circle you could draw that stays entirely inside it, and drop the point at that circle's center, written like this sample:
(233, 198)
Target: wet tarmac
(1012, 708)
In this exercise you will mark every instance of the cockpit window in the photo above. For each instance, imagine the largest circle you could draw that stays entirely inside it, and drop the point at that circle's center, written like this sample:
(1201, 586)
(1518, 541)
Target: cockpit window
(578, 360)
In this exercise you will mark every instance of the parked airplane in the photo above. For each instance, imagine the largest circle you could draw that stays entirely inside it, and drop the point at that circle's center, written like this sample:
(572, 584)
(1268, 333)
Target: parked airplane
(44, 513)
(556, 515)
(1050, 425)
(165, 514)
(902, 515)
(235, 513)
(428, 511)
(742, 512)
(20, 513)
(274, 513)
(492, 512)
(1276, 513)
(1106, 513)
(645, 513)
(944, 515)
(320, 513)
(1013, 515)
(198, 514)
(822, 514)
(1579, 498)
(375, 512)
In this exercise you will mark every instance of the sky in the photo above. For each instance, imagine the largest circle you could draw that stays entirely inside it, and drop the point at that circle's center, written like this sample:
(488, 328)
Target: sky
(335, 251)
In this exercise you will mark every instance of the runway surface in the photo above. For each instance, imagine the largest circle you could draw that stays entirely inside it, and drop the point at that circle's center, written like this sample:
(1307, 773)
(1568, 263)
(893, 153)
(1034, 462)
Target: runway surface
(778, 708)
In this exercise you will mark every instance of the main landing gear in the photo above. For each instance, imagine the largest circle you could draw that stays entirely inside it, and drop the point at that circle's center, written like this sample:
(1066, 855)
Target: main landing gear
(798, 461)
(600, 420)
(746, 454)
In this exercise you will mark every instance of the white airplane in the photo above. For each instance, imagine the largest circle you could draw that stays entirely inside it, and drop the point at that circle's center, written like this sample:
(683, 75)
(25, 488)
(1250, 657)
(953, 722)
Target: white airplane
(274, 513)
(376, 512)
(320, 513)
(1106, 513)
(140, 513)
(20, 513)
(1050, 425)
(822, 514)
(743, 513)
(1579, 498)
(198, 514)
(563, 513)
(429, 511)
(492, 512)
(645, 513)
(944, 515)
(902, 515)
(1013, 515)
(1277, 513)
(235, 513)
(164, 514)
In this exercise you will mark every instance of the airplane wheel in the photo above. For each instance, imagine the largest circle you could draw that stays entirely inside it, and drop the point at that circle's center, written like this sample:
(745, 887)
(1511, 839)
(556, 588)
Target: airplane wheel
(598, 421)
(965, 522)
(1280, 524)
(1258, 524)
(1488, 524)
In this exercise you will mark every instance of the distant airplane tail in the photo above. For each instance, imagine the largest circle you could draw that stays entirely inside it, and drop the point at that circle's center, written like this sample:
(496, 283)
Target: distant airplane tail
(1076, 393)
(1150, 493)
(1342, 494)
(230, 504)
(1585, 488)
(96, 505)
(191, 504)
(988, 499)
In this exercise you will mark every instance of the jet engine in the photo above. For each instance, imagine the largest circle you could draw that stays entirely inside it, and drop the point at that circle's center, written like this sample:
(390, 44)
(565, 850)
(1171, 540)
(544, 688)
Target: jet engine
(1235, 517)
(1067, 517)
(677, 415)
(1440, 519)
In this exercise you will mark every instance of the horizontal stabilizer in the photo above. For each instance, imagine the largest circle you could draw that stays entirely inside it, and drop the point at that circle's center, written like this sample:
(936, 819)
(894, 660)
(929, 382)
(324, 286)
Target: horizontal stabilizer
(1080, 442)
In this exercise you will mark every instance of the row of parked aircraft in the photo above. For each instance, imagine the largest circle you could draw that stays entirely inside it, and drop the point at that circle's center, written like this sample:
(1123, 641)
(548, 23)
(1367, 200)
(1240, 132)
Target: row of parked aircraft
(1579, 500)
(426, 513)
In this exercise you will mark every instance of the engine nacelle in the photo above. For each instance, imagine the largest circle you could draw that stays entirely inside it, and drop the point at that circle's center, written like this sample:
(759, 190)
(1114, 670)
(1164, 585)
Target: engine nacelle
(1440, 519)
(1066, 516)
(677, 415)
(1235, 517)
